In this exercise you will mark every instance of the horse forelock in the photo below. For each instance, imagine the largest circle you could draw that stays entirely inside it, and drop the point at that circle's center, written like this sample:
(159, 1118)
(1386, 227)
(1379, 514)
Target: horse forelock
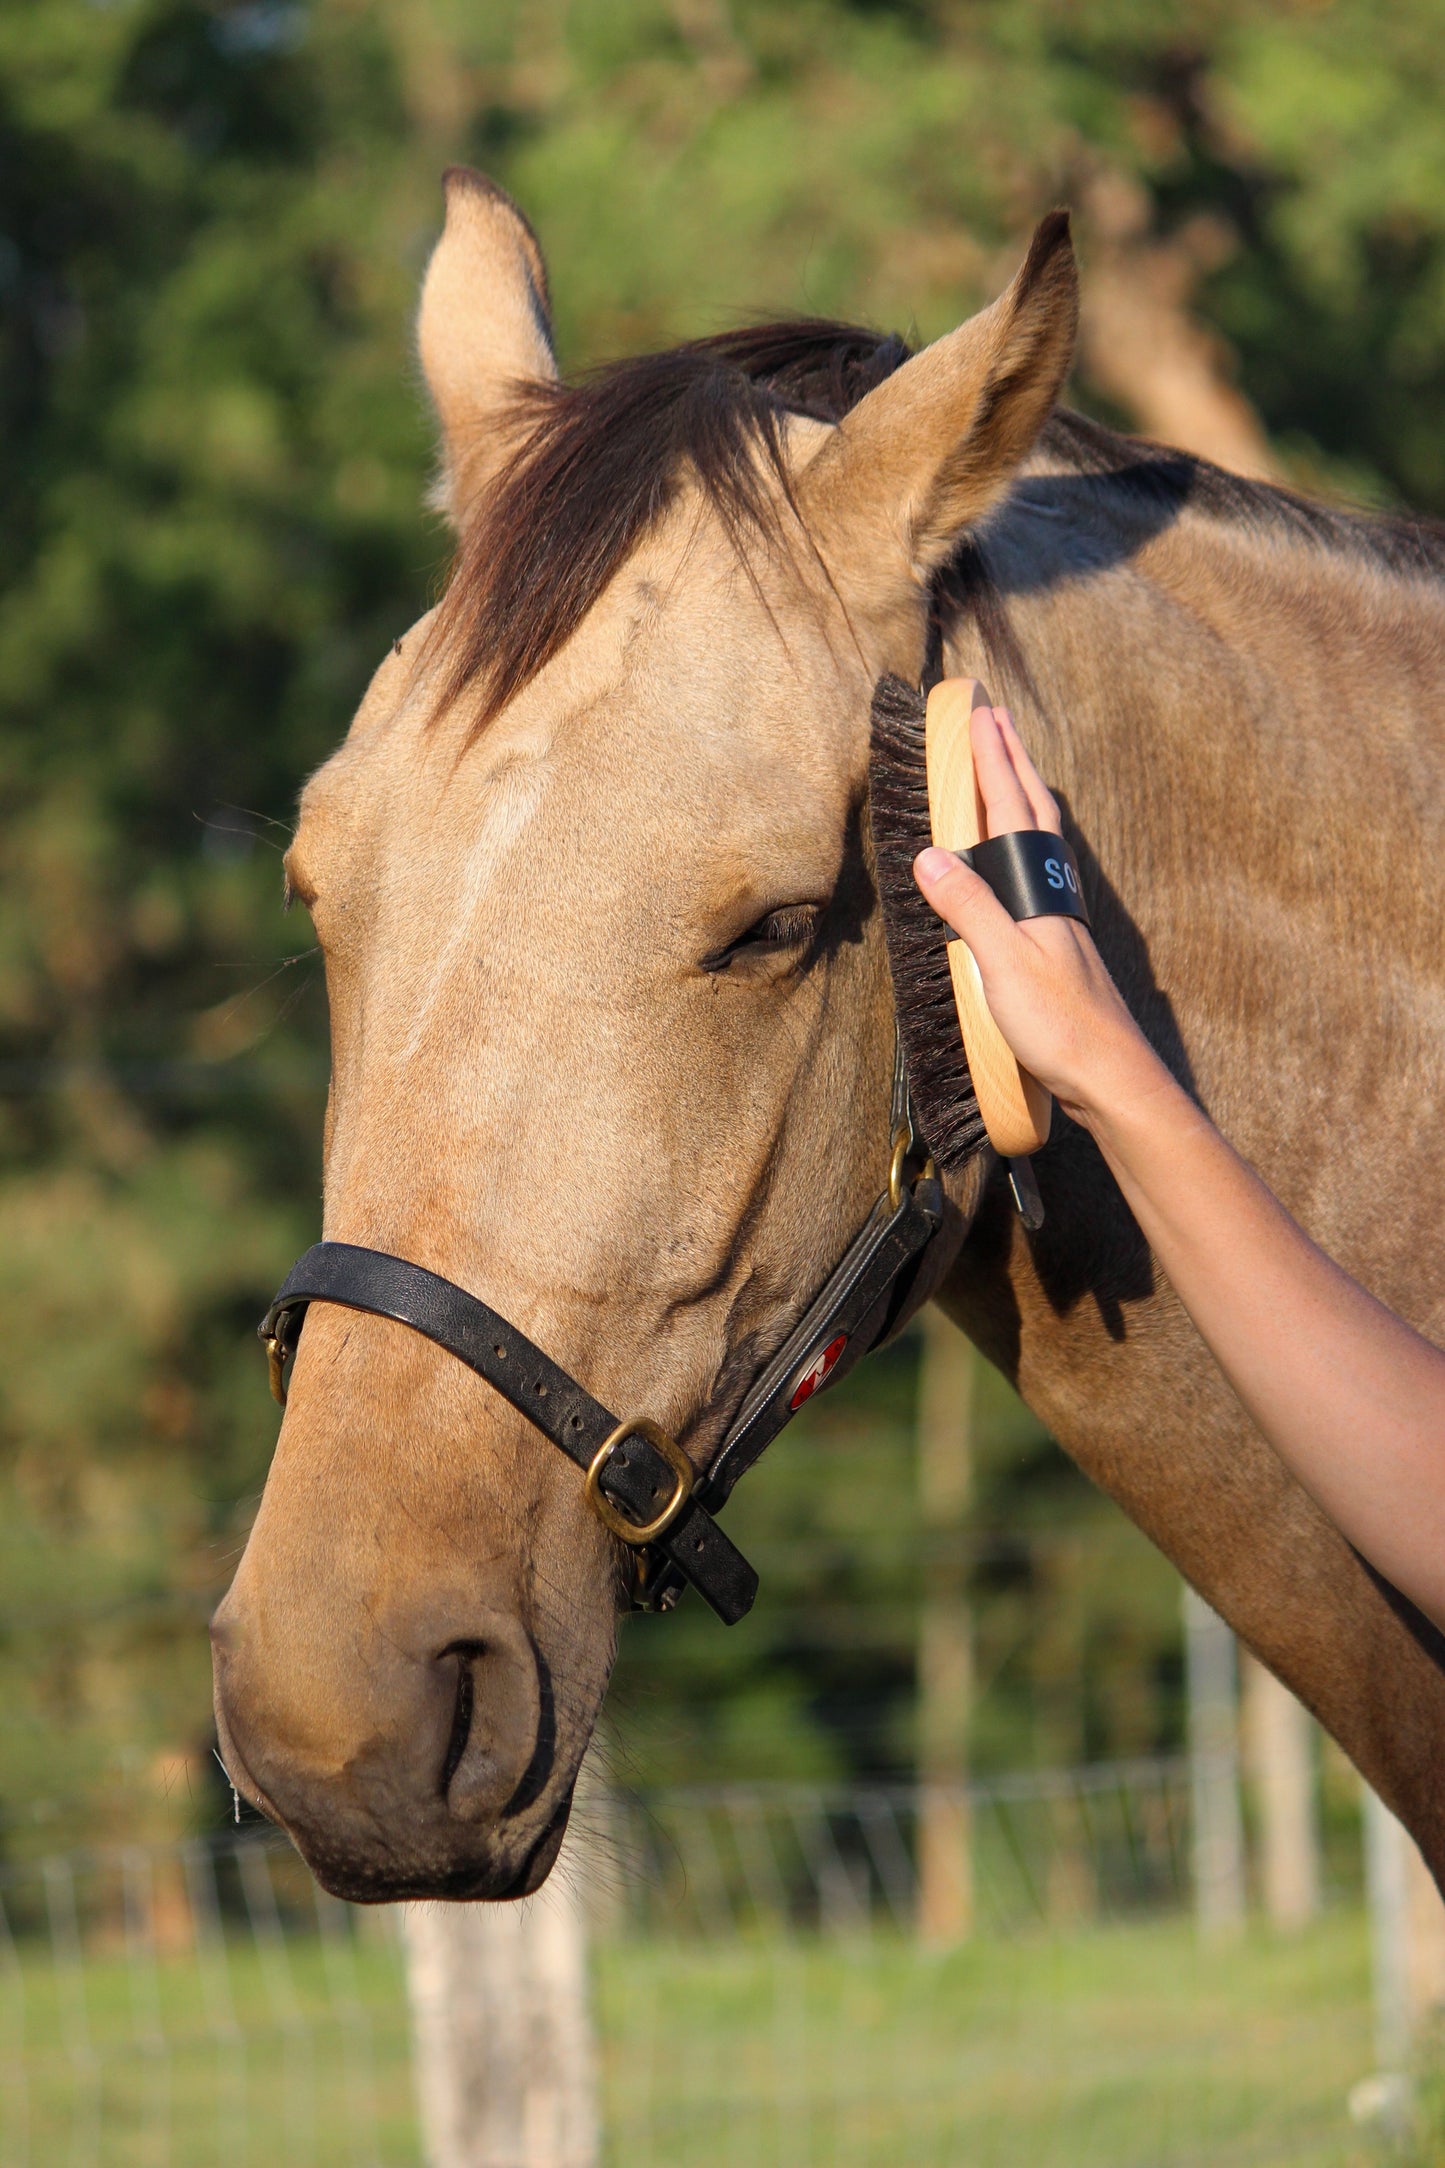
(600, 460)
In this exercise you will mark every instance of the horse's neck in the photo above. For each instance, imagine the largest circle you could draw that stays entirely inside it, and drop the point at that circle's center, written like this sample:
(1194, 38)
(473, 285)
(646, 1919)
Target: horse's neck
(1245, 736)
(1243, 730)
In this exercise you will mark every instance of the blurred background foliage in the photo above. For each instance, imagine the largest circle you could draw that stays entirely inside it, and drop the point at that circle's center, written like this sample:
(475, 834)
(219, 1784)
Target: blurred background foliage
(213, 219)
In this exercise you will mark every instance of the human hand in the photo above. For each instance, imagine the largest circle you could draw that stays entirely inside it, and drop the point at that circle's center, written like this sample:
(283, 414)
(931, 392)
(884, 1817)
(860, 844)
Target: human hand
(1045, 982)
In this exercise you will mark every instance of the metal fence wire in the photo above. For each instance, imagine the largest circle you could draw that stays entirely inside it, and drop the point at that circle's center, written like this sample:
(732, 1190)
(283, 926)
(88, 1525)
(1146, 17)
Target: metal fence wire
(1042, 1847)
(766, 1983)
(201, 2004)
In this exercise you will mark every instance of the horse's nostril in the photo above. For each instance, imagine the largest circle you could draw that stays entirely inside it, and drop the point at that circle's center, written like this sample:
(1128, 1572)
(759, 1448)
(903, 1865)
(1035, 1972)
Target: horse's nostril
(461, 1730)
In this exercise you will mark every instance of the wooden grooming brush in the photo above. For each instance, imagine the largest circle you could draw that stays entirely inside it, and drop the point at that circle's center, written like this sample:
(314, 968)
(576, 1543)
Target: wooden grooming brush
(964, 1079)
(1016, 1110)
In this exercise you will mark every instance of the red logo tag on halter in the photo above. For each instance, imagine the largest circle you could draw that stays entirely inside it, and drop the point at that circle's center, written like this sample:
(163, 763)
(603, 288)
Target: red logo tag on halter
(817, 1373)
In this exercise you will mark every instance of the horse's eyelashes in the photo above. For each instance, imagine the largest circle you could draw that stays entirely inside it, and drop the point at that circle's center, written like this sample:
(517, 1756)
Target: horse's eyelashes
(777, 933)
(786, 929)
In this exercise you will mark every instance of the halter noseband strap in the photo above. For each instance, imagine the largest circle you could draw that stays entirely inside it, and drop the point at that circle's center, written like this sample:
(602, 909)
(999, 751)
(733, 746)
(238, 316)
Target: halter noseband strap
(639, 1481)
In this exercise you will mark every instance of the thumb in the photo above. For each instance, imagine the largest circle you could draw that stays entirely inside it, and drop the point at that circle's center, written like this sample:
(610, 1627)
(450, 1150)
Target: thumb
(964, 899)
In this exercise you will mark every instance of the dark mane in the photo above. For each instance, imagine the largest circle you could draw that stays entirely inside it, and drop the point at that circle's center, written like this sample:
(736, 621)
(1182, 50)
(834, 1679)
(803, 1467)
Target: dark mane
(1164, 483)
(1171, 480)
(602, 458)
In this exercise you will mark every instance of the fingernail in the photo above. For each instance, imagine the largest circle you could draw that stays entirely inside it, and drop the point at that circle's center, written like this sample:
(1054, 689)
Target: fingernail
(932, 864)
(981, 696)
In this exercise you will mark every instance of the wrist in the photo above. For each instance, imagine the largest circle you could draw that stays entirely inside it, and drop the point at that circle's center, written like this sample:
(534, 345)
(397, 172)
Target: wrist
(1126, 1082)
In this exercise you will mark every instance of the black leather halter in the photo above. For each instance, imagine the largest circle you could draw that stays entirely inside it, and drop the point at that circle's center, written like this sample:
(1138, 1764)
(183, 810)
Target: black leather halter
(638, 1480)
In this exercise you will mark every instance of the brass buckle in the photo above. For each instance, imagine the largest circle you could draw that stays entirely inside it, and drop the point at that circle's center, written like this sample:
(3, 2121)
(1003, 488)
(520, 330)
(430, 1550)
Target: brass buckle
(275, 1347)
(634, 1532)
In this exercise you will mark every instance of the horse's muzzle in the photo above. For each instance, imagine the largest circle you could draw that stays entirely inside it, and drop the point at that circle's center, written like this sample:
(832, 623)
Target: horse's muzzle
(420, 1764)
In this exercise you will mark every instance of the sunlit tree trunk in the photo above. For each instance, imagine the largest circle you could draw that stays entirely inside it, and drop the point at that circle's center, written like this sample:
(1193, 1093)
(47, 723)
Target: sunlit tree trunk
(1140, 341)
(1407, 1937)
(945, 1633)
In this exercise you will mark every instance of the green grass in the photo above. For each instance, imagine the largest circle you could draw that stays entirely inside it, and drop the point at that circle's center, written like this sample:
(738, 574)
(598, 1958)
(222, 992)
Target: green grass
(283, 2056)
(1125, 2046)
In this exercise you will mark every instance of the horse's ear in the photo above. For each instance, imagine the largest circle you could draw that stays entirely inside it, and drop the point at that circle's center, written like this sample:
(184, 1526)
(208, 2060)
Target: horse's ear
(484, 330)
(924, 456)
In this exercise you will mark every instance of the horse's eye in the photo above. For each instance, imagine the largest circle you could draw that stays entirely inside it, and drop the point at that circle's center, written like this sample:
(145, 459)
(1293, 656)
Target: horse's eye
(788, 928)
(781, 933)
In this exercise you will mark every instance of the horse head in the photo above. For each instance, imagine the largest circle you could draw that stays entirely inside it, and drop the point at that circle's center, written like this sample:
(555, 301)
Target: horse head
(611, 1025)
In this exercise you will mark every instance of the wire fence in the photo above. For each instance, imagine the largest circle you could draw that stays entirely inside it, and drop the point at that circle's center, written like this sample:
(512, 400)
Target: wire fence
(766, 1987)
(1042, 1847)
(207, 2004)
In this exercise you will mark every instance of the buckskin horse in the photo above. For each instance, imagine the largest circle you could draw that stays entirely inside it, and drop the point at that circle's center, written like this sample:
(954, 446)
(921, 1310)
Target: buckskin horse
(613, 1037)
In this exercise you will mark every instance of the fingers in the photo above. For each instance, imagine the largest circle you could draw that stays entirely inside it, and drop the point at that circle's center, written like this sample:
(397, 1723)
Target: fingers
(1003, 794)
(1042, 803)
(1014, 794)
(965, 901)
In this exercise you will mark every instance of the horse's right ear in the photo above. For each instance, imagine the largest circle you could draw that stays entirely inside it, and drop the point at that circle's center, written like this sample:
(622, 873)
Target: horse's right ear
(889, 493)
(484, 330)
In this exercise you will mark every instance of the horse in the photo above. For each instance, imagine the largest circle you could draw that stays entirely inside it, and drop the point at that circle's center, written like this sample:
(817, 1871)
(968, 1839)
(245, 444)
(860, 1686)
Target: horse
(613, 1034)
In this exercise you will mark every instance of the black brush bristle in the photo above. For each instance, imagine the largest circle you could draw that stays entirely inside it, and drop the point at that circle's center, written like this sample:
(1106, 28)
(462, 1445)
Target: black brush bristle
(944, 1099)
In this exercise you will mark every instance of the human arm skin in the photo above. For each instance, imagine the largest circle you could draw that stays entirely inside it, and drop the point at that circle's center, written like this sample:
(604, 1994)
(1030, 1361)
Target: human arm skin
(1350, 1397)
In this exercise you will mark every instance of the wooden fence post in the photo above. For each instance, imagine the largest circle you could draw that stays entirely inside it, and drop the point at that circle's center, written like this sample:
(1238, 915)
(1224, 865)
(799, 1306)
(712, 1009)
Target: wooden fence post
(1407, 1937)
(1279, 1756)
(1218, 1847)
(945, 1634)
(505, 2063)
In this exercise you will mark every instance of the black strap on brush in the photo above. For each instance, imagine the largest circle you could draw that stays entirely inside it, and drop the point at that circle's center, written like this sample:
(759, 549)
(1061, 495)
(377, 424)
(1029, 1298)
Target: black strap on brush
(1033, 872)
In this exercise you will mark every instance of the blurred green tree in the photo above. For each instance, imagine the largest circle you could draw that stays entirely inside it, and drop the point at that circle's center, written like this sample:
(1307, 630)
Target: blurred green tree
(212, 460)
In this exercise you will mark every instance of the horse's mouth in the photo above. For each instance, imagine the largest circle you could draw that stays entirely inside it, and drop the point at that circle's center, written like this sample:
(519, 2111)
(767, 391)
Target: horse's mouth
(368, 1867)
(543, 1856)
(385, 1878)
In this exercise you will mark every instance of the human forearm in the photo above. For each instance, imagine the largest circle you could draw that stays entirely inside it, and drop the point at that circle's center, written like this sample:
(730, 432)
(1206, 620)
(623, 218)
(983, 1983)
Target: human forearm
(1350, 1397)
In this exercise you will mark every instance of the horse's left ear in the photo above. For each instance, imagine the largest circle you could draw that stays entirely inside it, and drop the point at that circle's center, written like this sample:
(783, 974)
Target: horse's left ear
(892, 488)
(484, 331)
